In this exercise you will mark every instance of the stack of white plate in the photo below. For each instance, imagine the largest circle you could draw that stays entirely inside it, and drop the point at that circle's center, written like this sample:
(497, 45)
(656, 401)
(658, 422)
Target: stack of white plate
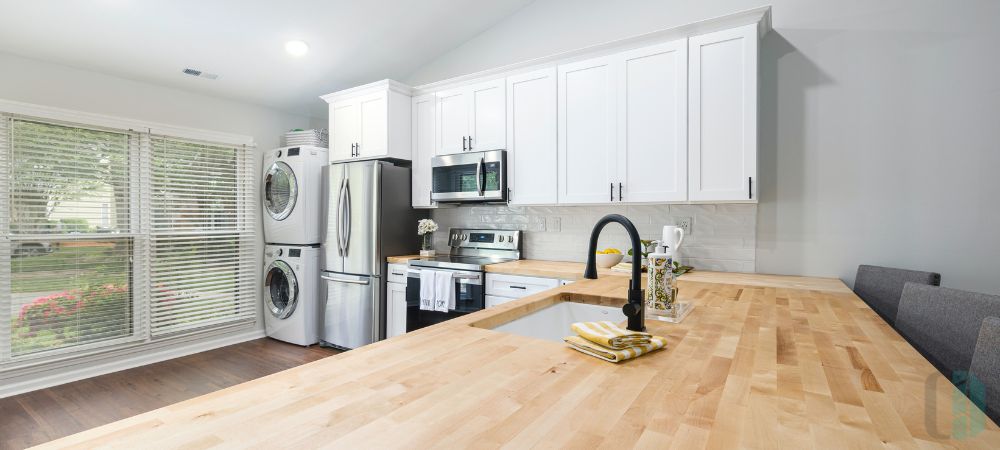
(314, 138)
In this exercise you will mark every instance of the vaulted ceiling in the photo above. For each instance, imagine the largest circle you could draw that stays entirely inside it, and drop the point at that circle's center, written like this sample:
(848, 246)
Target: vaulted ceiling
(351, 41)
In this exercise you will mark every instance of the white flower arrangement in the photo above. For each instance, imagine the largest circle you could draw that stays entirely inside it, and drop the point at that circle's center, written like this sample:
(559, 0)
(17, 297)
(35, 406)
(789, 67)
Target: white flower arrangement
(425, 226)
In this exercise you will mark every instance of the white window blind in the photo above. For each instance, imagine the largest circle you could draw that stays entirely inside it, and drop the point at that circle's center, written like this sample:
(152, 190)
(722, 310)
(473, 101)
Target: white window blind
(70, 272)
(203, 259)
(115, 236)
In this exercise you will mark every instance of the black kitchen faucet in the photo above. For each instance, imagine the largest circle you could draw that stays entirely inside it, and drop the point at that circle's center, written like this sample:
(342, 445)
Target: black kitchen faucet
(635, 309)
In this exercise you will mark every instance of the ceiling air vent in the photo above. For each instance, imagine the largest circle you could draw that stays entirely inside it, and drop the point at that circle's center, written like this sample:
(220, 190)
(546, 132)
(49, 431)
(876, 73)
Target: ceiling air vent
(200, 74)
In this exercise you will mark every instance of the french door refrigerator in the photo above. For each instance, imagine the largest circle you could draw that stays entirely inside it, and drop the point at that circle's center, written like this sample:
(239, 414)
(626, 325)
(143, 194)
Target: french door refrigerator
(368, 218)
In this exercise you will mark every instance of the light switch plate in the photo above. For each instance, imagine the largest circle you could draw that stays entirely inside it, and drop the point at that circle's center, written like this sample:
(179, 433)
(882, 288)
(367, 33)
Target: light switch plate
(684, 223)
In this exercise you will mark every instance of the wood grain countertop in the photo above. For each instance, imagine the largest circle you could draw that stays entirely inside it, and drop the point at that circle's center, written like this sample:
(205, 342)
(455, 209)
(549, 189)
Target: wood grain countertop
(574, 271)
(753, 366)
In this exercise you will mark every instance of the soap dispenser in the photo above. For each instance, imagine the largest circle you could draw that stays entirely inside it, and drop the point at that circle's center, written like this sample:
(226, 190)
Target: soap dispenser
(661, 291)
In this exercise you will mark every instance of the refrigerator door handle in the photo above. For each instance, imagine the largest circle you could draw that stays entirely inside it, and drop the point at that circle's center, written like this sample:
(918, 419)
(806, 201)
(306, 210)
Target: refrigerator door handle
(345, 280)
(340, 222)
(347, 218)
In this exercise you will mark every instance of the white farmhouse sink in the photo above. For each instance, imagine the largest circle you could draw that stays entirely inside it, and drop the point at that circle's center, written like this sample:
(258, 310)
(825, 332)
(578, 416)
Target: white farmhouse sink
(552, 323)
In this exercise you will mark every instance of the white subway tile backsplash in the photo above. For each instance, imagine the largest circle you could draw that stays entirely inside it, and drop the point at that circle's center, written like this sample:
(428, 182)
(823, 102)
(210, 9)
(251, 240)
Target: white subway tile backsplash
(724, 236)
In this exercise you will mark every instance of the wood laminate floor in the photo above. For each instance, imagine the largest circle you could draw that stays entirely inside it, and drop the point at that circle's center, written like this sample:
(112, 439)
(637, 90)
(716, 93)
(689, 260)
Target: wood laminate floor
(43, 415)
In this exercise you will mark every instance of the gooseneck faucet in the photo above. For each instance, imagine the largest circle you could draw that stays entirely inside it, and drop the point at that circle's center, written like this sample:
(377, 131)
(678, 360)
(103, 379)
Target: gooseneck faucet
(635, 309)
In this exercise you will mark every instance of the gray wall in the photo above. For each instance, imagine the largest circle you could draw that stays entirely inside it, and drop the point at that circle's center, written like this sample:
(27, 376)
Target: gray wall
(880, 123)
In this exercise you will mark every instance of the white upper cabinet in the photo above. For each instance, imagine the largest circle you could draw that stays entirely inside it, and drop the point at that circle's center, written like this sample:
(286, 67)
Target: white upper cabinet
(344, 120)
(652, 123)
(587, 141)
(452, 122)
(722, 115)
(373, 130)
(371, 121)
(472, 118)
(424, 145)
(531, 138)
(488, 116)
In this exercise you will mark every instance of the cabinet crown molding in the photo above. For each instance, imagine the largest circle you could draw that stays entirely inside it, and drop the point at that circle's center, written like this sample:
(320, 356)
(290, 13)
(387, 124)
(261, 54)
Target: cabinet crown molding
(378, 86)
(761, 16)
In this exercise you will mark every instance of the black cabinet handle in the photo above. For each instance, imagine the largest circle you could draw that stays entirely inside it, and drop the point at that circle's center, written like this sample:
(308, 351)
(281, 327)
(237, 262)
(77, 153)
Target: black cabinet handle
(750, 188)
(619, 192)
(518, 287)
(470, 143)
(612, 192)
(463, 143)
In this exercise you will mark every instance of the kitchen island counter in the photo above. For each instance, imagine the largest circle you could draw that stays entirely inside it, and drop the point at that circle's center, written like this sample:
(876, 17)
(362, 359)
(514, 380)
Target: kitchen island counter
(752, 366)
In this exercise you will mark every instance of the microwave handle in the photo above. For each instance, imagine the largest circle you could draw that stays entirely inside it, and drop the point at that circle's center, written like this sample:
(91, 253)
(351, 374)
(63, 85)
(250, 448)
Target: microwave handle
(479, 176)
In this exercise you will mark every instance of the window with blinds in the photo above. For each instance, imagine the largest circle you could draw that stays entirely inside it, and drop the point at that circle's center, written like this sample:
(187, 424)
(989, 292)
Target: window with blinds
(203, 266)
(70, 258)
(115, 236)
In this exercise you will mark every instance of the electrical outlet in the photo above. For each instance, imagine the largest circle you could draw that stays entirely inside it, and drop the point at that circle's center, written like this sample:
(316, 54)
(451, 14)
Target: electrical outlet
(683, 223)
(554, 224)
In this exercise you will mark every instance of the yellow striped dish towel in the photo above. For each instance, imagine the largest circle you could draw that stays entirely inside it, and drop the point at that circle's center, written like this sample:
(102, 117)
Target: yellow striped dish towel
(614, 355)
(609, 334)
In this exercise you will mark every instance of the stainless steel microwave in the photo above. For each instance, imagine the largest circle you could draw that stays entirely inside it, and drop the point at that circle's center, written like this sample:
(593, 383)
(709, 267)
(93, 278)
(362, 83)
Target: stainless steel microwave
(470, 177)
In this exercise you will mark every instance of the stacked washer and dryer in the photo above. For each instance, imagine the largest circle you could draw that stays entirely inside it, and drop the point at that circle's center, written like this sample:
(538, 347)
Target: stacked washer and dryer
(293, 203)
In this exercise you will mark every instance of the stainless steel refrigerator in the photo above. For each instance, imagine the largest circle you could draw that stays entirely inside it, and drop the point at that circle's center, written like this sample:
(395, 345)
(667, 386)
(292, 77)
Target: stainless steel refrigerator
(368, 218)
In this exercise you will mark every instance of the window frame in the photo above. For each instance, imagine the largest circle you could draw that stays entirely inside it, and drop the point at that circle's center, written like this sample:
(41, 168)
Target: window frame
(139, 185)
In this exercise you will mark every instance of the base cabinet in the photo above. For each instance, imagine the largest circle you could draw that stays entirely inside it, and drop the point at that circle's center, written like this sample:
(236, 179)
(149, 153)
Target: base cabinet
(395, 321)
(501, 288)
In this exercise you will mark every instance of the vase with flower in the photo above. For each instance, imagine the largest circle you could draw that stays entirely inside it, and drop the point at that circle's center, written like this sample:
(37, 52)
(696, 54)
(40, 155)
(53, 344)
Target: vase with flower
(426, 229)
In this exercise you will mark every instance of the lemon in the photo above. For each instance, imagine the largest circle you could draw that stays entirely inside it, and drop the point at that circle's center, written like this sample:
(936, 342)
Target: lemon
(612, 251)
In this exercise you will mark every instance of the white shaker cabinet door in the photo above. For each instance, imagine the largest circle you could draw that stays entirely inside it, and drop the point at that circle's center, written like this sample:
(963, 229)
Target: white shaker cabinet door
(652, 123)
(424, 145)
(722, 118)
(531, 138)
(487, 116)
(344, 129)
(452, 121)
(373, 113)
(396, 314)
(587, 141)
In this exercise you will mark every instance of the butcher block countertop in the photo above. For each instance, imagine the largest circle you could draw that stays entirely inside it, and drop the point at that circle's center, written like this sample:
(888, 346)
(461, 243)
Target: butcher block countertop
(753, 366)
(574, 271)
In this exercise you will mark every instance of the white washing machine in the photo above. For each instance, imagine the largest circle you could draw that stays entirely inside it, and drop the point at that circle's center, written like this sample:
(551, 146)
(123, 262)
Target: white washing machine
(292, 293)
(293, 195)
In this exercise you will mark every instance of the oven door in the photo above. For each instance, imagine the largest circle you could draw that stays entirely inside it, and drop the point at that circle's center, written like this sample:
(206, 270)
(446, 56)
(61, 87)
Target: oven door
(470, 177)
(470, 296)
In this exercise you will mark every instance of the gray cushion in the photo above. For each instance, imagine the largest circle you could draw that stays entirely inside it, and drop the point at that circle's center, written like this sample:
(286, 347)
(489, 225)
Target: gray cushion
(986, 365)
(880, 287)
(943, 324)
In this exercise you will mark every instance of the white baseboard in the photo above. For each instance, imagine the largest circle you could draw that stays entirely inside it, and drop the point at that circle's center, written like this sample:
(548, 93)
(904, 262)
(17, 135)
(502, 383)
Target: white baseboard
(121, 360)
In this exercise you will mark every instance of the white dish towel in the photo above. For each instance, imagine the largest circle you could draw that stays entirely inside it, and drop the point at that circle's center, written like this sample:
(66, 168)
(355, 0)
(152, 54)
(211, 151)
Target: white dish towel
(444, 291)
(427, 289)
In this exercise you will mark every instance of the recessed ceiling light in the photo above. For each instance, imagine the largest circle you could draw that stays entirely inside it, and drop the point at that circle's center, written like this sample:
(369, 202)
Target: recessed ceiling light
(296, 48)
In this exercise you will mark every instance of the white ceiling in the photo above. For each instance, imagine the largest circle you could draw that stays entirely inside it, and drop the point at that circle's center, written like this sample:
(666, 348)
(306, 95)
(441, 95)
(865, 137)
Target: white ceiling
(351, 41)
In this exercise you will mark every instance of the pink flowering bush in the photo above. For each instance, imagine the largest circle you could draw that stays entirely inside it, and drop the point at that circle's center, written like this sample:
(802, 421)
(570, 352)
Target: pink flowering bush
(52, 319)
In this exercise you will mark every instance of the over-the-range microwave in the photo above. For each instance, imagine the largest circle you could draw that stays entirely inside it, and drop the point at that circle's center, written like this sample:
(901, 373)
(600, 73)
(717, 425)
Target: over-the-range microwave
(470, 177)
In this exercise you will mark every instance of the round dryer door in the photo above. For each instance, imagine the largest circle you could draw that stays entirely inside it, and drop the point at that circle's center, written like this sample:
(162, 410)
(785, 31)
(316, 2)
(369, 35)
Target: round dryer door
(281, 290)
(280, 190)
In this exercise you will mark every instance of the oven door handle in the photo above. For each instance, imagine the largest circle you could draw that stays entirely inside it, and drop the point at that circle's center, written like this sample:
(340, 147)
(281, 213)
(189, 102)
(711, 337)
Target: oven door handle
(457, 276)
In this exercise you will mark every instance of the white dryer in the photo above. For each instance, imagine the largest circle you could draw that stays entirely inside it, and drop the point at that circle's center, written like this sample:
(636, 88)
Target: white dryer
(293, 193)
(292, 293)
